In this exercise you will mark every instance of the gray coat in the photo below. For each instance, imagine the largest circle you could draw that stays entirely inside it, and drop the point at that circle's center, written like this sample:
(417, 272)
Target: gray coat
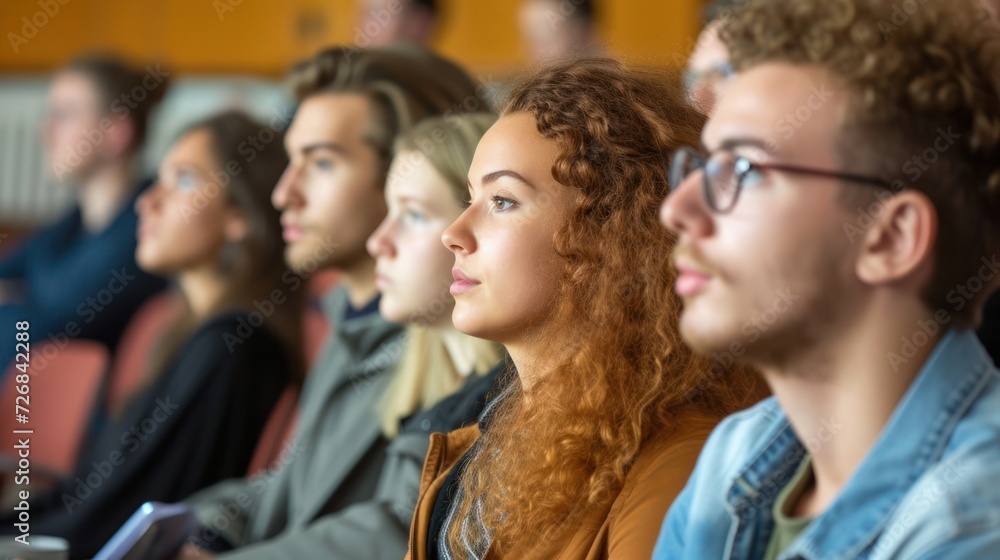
(335, 461)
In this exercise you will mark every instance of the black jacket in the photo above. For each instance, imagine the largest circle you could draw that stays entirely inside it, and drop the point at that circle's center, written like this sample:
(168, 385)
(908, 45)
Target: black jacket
(198, 423)
(989, 331)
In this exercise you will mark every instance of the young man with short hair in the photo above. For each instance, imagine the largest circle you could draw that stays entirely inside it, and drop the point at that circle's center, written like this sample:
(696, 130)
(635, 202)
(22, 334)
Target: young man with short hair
(321, 502)
(847, 259)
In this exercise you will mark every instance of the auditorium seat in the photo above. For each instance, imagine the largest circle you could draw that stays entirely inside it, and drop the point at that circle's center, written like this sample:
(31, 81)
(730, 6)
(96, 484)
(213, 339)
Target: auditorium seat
(278, 431)
(144, 331)
(63, 389)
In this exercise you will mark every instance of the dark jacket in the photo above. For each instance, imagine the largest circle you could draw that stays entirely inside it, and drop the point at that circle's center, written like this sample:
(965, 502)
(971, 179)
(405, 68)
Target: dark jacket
(197, 424)
(989, 330)
(76, 284)
(376, 529)
(338, 451)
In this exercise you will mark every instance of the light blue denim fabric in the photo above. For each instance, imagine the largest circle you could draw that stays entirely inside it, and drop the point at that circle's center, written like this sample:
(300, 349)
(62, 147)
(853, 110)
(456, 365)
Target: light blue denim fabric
(928, 489)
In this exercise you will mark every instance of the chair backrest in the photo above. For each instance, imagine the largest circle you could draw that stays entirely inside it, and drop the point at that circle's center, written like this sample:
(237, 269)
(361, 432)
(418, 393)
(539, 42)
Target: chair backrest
(321, 282)
(315, 327)
(315, 330)
(279, 430)
(144, 330)
(63, 384)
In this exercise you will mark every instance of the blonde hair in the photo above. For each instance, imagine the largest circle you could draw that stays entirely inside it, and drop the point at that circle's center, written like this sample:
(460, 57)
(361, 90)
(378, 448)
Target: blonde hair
(426, 373)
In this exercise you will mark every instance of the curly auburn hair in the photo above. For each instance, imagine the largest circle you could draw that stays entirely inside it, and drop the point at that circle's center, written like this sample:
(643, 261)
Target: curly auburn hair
(566, 445)
(915, 73)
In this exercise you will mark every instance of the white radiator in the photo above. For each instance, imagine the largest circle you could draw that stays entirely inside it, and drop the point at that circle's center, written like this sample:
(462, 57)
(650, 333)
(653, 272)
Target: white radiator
(27, 196)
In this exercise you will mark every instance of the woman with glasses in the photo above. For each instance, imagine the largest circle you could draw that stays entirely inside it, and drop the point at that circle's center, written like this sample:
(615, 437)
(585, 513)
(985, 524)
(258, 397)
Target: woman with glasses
(559, 257)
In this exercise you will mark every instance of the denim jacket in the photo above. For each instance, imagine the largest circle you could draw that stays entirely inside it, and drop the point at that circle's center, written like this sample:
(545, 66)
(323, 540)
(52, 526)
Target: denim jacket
(929, 488)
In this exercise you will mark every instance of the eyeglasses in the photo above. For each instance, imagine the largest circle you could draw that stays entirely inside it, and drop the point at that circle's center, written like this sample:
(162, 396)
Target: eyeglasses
(721, 71)
(725, 173)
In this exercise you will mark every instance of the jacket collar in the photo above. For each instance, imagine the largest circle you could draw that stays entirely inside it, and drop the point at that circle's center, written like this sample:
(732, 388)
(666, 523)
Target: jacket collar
(368, 339)
(913, 439)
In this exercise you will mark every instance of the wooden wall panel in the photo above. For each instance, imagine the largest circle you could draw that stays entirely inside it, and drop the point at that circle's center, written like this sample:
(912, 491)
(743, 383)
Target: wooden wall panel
(266, 36)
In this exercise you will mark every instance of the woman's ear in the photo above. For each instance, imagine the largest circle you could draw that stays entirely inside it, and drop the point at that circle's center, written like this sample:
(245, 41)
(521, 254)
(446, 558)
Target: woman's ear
(236, 227)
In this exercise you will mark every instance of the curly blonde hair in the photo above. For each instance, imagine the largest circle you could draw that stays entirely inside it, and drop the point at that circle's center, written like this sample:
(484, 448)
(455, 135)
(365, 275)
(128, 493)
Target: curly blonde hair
(566, 446)
(915, 71)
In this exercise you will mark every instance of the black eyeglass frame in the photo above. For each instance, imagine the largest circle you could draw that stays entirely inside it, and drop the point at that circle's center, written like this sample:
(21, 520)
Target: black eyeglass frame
(742, 167)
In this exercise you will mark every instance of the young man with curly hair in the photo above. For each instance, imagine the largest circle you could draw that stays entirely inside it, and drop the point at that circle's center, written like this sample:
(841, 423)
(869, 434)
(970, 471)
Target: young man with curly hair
(848, 262)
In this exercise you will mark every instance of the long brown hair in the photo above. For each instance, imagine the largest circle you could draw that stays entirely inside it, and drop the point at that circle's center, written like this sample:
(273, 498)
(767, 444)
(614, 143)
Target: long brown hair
(567, 445)
(254, 267)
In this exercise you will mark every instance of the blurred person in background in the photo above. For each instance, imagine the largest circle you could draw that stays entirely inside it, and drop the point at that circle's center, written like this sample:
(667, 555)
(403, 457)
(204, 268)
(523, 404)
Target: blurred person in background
(77, 278)
(708, 70)
(211, 385)
(424, 193)
(332, 198)
(388, 22)
(559, 29)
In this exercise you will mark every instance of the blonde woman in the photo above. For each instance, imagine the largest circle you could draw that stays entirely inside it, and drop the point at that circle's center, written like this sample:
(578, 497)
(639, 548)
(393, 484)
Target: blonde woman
(425, 192)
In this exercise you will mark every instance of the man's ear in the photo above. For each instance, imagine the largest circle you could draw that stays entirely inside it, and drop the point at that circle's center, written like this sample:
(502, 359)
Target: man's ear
(118, 139)
(899, 245)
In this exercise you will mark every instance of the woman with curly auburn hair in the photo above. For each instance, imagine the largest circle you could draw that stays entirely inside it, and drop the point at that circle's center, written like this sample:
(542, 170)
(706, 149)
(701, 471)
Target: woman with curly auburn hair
(560, 258)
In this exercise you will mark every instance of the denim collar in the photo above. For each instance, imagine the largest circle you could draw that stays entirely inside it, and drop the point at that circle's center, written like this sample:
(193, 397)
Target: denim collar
(914, 438)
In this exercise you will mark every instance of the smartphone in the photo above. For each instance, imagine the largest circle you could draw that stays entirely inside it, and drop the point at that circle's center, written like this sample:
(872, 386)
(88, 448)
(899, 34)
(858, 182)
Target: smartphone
(156, 531)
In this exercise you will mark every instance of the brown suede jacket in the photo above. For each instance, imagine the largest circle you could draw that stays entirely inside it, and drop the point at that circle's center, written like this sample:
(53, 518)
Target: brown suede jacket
(626, 528)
